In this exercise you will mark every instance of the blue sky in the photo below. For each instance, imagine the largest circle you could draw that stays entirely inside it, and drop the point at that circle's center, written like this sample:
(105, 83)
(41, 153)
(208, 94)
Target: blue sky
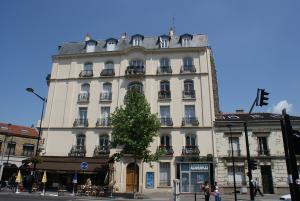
(255, 44)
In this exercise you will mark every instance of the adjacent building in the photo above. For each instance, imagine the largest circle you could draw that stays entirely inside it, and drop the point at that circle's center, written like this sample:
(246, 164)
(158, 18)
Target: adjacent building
(266, 147)
(90, 78)
(17, 143)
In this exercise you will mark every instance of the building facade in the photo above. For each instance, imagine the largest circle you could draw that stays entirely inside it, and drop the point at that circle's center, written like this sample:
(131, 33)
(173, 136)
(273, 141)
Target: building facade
(17, 143)
(90, 79)
(266, 147)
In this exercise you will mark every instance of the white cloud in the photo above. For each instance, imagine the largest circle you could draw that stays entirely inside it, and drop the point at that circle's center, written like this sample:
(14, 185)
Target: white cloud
(282, 105)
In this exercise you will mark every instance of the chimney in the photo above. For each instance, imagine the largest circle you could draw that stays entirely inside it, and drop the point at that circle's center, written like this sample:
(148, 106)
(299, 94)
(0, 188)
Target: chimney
(239, 111)
(172, 31)
(87, 37)
(124, 35)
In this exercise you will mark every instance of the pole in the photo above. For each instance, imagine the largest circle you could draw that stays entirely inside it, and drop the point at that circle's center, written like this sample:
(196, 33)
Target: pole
(287, 158)
(10, 143)
(2, 156)
(233, 164)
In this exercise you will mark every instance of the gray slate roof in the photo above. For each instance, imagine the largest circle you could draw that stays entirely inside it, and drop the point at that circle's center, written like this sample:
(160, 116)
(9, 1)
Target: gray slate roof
(198, 40)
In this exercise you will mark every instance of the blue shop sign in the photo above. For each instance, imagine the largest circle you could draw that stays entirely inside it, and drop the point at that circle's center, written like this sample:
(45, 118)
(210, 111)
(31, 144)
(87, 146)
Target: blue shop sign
(150, 180)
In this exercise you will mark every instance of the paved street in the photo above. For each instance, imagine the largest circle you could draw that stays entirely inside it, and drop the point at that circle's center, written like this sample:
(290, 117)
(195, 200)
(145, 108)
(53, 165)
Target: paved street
(148, 197)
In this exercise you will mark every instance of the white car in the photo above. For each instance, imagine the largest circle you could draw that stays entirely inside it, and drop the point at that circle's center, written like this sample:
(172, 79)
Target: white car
(286, 197)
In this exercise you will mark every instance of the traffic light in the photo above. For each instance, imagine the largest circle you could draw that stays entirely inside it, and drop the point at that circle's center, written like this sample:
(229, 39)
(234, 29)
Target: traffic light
(296, 141)
(253, 164)
(262, 98)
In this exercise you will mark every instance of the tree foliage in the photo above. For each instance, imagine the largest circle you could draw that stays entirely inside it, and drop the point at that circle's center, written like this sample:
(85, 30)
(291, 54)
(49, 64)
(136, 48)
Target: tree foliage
(134, 127)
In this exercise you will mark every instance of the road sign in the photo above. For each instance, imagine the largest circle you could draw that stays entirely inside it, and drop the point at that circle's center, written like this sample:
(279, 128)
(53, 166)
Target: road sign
(84, 165)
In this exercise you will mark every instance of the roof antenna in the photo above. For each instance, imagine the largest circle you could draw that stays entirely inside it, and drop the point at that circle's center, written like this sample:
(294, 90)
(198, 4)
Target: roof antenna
(172, 29)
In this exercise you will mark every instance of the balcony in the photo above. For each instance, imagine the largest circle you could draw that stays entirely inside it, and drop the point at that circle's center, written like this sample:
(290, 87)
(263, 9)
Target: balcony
(166, 121)
(107, 72)
(188, 94)
(236, 153)
(105, 96)
(78, 151)
(83, 98)
(86, 73)
(103, 122)
(188, 69)
(101, 150)
(81, 122)
(190, 121)
(164, 70)
(190, 150)
(164, 95)
(263, 152)
(135, 71)
(167, 150)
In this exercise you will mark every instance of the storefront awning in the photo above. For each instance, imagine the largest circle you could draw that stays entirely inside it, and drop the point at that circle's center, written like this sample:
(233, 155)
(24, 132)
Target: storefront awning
(58, 163)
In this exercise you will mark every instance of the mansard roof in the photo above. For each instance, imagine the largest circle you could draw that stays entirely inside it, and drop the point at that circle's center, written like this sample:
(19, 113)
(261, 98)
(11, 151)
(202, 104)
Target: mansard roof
(198, 40)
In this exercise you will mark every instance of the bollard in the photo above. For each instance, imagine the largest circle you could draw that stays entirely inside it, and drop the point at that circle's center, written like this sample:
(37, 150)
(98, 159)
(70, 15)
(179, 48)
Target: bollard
(195, 196)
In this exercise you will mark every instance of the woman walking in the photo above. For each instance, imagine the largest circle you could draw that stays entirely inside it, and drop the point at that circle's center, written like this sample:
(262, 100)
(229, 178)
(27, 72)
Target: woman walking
(217, 192)
(206, 190)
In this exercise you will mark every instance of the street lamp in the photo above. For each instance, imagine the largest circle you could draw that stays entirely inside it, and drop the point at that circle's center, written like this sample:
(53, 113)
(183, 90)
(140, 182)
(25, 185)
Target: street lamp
(233, 162)
(40, 127)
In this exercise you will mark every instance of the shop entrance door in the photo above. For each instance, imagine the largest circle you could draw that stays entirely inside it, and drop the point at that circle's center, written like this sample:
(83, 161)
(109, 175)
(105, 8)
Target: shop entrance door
(267, 180)
(132, 177)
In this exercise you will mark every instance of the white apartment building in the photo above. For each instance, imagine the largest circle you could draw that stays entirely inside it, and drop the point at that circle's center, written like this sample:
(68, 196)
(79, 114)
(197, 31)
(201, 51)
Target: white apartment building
(90, 78)
(266, 147)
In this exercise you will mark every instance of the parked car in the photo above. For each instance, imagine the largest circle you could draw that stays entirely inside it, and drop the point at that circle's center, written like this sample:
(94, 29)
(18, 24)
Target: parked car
(286, 197)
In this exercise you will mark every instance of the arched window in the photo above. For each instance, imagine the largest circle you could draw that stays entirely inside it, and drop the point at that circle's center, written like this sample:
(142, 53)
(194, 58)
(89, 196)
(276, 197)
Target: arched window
(85, 88)
(190, 140)
(109, 65)
(88, 66)
(187, 61)
(165, 140)
(135, 86)
(87, 70)
(107, 87)
(164, 62)
(103, 140)
(165, 86)
(188, 85)
(137, 63)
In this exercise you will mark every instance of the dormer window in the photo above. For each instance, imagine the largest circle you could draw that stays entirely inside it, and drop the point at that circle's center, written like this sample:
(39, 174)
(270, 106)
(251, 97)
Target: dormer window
(137, 40)
(90, 46)
(163, 41)
(111, 44)
(185, 40)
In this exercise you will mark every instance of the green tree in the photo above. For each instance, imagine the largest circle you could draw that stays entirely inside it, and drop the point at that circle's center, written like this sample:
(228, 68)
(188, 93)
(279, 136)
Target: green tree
(134, 128)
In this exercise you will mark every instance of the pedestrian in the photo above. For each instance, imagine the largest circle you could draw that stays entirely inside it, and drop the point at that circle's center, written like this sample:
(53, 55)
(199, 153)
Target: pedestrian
(207, 190)
(217, 192)
(256, 186)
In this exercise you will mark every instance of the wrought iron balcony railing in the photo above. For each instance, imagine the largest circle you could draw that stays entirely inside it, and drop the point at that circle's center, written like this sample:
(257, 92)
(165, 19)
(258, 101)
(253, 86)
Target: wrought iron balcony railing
(236, 153)
(83, 98)
(166, 121)
(81, 122)
(78, 150)
(168, 150)
(135, 70)
(188, 69)
(86, 73)
(164, 95)
(103, 122)
(105, 96)
(107, 72)
(190, 121)
(101, 150)
(164, 70)
(263, 152)
(187, 94)
(190, 150)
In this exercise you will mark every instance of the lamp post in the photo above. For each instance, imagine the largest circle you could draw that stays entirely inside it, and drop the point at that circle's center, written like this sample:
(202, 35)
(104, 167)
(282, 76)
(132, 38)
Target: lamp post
(233, 162)
(40, 127)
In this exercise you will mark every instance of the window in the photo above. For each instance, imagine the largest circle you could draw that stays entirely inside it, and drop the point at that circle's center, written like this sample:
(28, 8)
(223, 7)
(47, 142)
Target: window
(239, 175)
(165, 111)
(187, 62)
(185, 42)
(190, 140)
(235, 145)
(88, 66)
(87, 70)
(107, 87)
(103, 141)
(84, 93)
(188, 85)
(105, 113)
(80, 140)
(165, 140)
(28, 149)
(135, 86)
(263, 146)
(164, 43)
(164, 174)
(106, 94)
(111, 44)
(109, 65)
(164, 62)
(165, 86)
(85, 88)
(137, 41)
(11, 148)
(83, 113)
(189, 111)
(90, 46)
(137, 63)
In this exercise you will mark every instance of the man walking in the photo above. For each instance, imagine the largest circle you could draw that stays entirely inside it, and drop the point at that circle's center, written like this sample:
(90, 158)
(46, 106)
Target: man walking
(256, 186)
